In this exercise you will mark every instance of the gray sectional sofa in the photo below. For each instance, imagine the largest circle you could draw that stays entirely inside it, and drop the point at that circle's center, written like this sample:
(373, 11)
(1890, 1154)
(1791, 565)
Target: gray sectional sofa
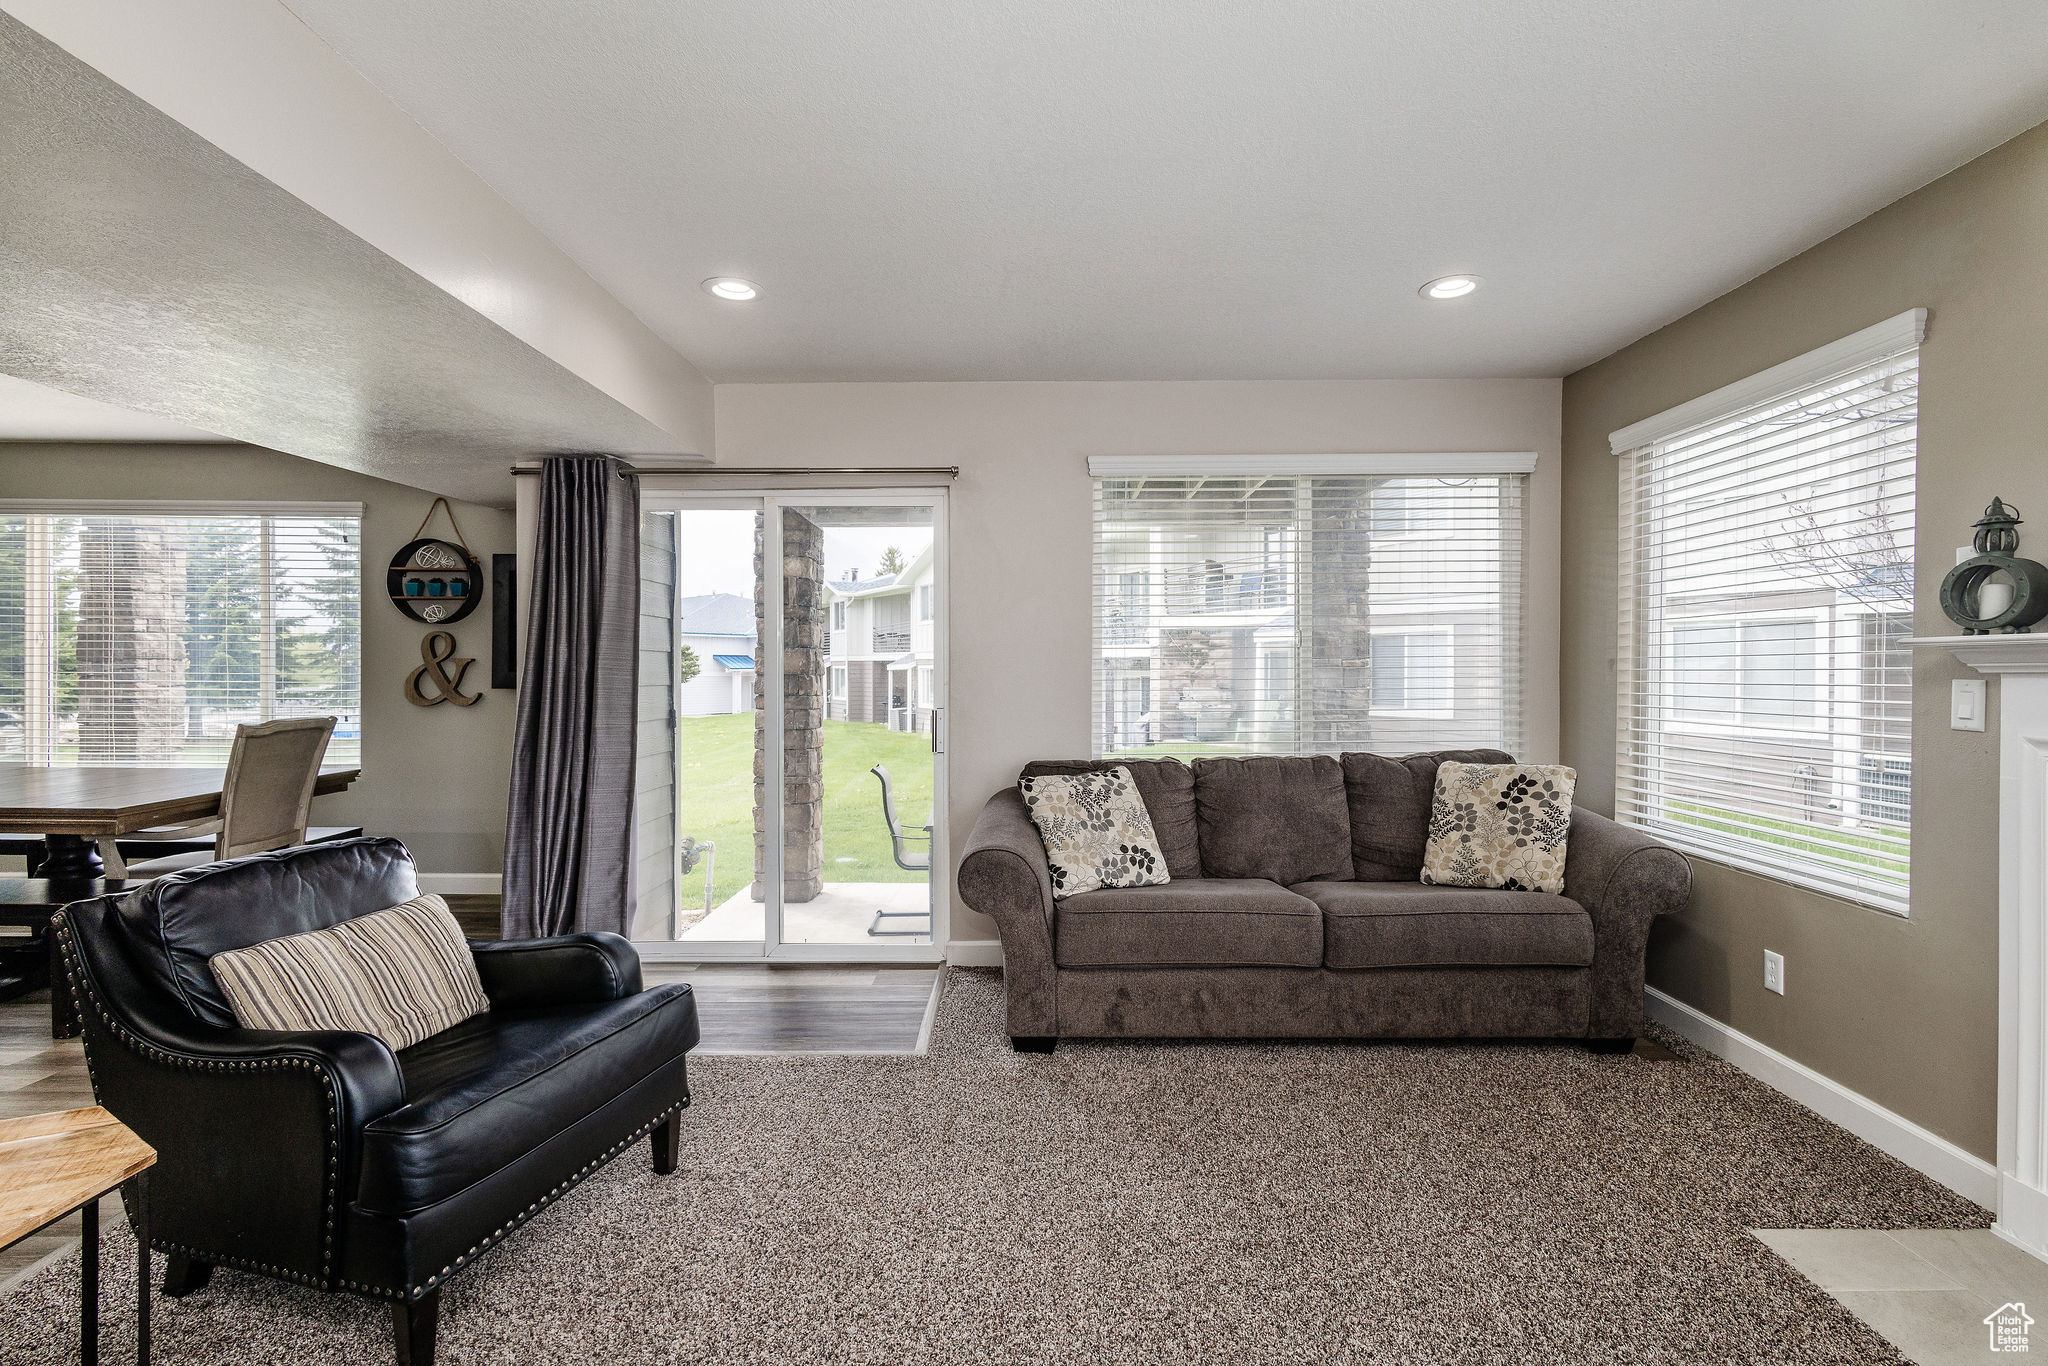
(1296, 910)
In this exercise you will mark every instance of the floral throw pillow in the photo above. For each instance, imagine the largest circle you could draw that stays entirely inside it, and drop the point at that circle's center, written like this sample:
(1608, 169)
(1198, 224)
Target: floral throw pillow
(1096, 830)
(1499, 825)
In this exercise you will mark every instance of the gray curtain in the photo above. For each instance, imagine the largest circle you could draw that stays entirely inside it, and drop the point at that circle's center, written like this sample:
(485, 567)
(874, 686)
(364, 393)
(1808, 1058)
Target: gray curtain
(568, 837)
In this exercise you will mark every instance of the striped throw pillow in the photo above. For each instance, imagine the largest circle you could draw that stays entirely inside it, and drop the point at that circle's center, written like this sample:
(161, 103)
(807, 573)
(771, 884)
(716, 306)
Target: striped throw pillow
(400, 974)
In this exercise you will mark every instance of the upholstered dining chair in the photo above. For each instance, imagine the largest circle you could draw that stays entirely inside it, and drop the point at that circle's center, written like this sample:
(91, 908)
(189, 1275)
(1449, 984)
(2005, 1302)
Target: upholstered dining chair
(264, 803)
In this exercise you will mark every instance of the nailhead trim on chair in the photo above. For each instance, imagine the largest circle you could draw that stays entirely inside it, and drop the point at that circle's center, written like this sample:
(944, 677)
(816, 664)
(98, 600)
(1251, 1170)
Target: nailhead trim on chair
(385, 1292)
(83, 992)
(154, 1054)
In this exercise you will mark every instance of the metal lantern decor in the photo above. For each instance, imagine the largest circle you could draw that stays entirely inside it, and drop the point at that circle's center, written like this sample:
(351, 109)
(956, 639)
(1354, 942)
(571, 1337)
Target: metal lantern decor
(437, 582)
(1996, 590)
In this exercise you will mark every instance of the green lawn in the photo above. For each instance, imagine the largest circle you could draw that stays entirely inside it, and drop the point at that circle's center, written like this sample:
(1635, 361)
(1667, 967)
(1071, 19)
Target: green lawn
(1885, 853)
(715, 798)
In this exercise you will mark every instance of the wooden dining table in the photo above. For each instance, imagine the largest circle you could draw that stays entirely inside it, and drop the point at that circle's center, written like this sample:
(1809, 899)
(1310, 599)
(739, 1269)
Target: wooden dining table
(71, 806)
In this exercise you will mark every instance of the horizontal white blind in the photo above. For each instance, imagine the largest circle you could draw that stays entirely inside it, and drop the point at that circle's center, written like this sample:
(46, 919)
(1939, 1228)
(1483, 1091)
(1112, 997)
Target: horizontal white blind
(1765, 690)
(1301, 614)
(144, 638)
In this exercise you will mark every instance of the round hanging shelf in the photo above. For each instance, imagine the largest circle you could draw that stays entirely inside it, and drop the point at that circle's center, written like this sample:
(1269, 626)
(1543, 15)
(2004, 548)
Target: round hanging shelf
(435, 581)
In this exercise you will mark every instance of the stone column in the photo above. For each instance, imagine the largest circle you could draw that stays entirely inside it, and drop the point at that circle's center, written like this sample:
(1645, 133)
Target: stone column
(131, 643)
(803, 716)
(1340, 607)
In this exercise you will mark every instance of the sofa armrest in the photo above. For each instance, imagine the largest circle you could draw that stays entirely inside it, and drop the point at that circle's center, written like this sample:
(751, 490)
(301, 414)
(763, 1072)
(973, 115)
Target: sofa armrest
(1004, 875)
(1624, 879)
(565, 969)
(257, 1131)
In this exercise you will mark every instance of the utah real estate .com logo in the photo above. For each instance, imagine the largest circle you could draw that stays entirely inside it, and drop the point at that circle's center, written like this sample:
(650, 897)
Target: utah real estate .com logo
(2008, 1324)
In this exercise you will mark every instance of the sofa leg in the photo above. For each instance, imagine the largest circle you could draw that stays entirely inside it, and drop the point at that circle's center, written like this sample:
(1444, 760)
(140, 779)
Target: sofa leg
(1611, 1045)
(413, 1326)
(183, 1275)
(1029, 1043)
(668, 1145)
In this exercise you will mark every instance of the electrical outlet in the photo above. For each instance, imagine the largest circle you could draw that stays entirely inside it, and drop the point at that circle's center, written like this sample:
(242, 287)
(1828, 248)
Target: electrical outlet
(1774, 972)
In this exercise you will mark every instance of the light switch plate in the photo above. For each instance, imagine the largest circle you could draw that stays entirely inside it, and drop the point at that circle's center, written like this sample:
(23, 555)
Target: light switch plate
(1966, 704)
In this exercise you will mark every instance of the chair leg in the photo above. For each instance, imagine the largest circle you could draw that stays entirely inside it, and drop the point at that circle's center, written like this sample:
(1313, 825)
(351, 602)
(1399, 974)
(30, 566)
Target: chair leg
(668, 1145)
(183, 1275)
(1034, 1044)
(413, 1327)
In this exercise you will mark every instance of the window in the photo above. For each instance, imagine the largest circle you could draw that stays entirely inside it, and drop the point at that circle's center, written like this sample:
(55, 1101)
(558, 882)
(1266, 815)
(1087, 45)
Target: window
(143, 633)
(924, 602)
(839, 615)
(1262, 609)
(1767, 581)
(838, 675)
(925, 695)
(1411, 673)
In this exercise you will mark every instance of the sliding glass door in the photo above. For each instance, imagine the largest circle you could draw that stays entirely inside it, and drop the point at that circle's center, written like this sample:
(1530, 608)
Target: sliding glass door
(792, 715)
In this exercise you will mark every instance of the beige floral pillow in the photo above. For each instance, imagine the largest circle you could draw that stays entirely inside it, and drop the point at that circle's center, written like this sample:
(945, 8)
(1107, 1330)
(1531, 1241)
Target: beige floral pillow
(1499, 825)
(1096, 830)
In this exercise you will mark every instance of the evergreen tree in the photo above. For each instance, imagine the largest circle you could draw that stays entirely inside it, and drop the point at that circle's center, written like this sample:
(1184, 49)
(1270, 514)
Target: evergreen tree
(892, 562)
(687, 666)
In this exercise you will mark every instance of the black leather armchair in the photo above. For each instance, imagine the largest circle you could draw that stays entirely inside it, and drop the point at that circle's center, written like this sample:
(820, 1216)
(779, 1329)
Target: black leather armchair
(326, 1158)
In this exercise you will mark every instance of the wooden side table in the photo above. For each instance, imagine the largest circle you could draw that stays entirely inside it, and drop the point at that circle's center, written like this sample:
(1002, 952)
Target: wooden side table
(54, 1164)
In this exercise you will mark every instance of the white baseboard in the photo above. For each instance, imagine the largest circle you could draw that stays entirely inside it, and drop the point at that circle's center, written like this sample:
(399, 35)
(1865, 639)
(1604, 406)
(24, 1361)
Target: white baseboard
(1927, 1153)
(975, 953)
(463, 884)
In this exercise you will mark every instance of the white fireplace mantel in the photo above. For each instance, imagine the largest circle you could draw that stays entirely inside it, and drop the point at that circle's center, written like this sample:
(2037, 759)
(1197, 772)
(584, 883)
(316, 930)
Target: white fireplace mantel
(2021, 662)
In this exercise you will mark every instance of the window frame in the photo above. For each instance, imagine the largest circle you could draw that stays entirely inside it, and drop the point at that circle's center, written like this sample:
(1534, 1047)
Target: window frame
(39, 577)
(1768, 817)
(1189, 592)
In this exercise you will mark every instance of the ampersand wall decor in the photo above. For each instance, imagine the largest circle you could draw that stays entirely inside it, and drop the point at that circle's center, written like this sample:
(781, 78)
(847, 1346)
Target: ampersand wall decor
(436, 651)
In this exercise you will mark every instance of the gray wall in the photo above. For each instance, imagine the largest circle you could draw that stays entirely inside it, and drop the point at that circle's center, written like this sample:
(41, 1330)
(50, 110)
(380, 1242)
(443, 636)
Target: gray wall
(435, 776)
(1902, 1010)
(1021, 531)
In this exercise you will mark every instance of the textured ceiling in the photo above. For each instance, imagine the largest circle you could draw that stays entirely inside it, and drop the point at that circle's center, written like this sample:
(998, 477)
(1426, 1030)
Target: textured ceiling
(142, 267)
(927, 189)
(30, 412)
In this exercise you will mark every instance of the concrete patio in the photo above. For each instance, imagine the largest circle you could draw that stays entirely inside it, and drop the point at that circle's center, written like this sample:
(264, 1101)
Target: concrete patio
(840, 914)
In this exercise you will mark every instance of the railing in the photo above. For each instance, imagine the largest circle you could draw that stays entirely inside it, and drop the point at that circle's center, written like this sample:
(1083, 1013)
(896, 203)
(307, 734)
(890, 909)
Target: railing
(1199, 593)
(891, 640)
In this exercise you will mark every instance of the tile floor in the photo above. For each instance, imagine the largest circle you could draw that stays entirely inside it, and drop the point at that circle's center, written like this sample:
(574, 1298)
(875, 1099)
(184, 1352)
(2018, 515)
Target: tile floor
(1928, 1291)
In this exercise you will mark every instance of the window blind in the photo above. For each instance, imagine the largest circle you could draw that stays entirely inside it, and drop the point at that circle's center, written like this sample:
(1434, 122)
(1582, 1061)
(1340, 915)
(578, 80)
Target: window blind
(1765, 680)
(140, 634)
(1294, 613)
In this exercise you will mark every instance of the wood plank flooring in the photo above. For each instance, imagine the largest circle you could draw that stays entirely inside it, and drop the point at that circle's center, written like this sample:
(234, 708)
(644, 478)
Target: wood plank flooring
(743, 1008)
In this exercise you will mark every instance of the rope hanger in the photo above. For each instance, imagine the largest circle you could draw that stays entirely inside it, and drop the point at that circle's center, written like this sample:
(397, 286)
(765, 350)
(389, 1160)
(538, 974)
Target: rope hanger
(453, 525)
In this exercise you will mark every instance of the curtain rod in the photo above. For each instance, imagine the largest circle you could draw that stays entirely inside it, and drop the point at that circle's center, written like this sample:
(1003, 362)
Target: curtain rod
(699, 471)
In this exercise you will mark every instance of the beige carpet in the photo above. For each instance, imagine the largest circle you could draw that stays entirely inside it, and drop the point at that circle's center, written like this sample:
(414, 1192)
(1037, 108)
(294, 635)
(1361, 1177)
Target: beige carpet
(1190, 1203)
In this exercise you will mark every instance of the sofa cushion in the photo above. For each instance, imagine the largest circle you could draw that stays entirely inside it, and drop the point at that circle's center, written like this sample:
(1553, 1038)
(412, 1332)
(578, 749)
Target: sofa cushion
(1193, 922)
(1166, 786)
(1278, 817)
(1390, 802)
(1407, 925)
(492, 1089)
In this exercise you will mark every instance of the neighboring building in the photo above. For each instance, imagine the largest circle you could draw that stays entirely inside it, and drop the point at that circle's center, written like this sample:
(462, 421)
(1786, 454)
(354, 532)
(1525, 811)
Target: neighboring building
(878, 657)
(719, 629)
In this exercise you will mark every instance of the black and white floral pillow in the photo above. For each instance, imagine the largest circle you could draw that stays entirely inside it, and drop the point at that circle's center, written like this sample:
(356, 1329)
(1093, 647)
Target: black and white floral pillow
(1500, 825)
(1096, 830)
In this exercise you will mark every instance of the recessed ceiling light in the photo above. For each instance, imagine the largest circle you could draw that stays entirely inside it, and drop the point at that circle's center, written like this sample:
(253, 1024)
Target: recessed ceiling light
(730, 287)
(1450, 287)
